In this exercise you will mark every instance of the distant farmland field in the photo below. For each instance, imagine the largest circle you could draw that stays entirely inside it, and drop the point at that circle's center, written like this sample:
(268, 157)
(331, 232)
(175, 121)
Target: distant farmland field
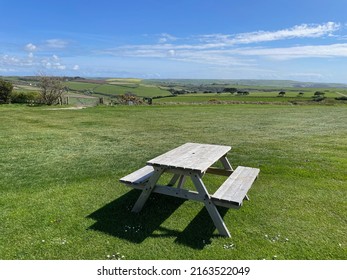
(113, 88)
(254, 96)
(187, 91)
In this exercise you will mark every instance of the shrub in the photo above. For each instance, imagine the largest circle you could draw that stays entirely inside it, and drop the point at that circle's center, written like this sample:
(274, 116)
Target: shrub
(231, 90)
(318, 98)
(25, 97)
(5, 91)
(129, 99)
(242, 92)
(341, 98)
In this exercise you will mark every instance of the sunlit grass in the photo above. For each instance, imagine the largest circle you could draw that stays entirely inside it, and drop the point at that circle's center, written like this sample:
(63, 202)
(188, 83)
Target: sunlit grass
(61, 199)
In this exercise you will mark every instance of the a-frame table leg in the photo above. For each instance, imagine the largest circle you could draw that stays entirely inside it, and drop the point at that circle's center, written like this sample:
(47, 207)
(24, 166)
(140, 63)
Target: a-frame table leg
(211, 208)
(226, 164)
(147, 190)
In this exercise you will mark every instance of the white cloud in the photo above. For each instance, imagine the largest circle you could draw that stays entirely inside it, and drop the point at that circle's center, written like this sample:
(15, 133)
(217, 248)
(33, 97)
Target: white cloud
(229, 56)
(50, 63)
(30, 47)
(7, 70)
(164, 37)
(298, 31)
(221, 49)
(171, 52)
(14, 61)
(306, 75)
(33, 62)
(59, 66)
(47, 64)
(54, 63)
(333, 50)
(8, 60)
(56, 43)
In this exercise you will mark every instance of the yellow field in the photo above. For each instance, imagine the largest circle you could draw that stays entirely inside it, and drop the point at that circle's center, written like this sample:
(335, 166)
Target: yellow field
(115, 81)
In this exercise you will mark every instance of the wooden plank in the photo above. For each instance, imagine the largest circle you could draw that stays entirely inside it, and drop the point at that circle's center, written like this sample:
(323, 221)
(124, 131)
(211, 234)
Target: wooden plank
(219, 171)
(181, 193)
(138, 176)
(225, 203)
(181, 182)
(192, 156)
(235, 188)
(173, 180)
(185, 194)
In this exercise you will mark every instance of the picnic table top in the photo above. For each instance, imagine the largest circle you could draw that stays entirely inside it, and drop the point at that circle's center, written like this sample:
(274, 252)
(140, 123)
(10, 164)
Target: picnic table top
(191, 156)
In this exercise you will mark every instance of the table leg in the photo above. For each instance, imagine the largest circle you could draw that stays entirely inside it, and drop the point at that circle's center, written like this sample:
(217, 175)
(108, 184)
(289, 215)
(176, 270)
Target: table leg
(211, 208)
(173, 180)
(147, 190)
(226, 164)
(181, 180)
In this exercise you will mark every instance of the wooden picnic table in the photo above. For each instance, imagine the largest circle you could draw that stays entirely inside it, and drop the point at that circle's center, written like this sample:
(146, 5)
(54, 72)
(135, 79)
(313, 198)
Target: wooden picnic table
(193, 160)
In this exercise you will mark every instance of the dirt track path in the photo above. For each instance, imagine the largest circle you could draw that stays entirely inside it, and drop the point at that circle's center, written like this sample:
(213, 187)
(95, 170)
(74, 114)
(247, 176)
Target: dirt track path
(68, 108)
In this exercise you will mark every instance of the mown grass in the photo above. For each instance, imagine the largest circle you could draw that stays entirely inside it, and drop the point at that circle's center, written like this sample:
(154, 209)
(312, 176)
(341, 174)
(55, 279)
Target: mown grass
(61, 199)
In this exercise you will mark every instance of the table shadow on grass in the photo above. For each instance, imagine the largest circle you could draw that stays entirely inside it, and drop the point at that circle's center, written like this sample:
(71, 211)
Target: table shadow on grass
(116, 219)
(200, 230)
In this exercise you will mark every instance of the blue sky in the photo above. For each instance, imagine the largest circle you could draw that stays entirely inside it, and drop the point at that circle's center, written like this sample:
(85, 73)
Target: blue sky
(302, 40)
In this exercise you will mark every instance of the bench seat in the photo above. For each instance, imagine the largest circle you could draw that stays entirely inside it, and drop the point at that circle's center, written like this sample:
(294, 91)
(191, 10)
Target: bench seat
(138, 177)
(234, 190)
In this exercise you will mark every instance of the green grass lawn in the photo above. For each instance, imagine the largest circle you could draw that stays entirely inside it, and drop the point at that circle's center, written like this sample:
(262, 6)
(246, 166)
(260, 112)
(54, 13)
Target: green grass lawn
(61, 199)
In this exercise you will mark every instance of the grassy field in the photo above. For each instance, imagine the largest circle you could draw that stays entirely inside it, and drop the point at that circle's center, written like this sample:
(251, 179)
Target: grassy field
(110, 88)
(114, 87)
(253, 97)
(61, 199)
(124, 80)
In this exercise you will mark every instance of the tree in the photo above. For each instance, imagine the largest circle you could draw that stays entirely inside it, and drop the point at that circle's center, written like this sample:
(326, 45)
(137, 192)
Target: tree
(231, 90)
(52, 89)
(5, 91)
(242, 92)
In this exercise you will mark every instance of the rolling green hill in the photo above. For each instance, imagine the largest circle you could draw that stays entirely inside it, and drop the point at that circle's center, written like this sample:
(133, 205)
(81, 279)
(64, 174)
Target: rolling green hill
(113, 87)
(190, 90)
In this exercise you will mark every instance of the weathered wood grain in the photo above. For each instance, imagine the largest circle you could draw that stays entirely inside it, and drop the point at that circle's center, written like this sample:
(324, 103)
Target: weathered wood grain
(139, 176)
(235, 188)
(191, 156)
